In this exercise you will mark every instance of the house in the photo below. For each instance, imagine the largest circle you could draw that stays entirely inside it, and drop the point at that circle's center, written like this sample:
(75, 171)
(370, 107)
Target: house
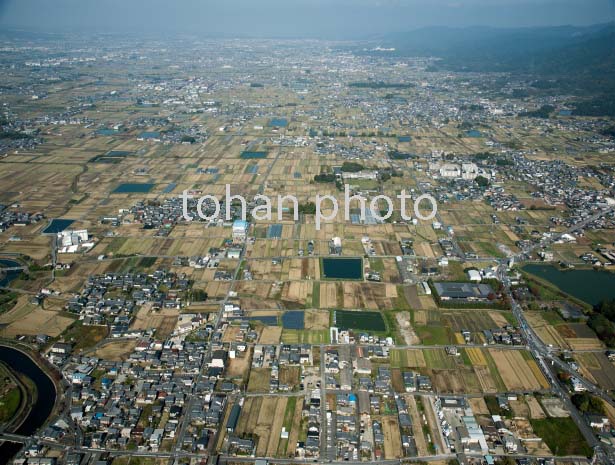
(218, 359)
(61, 348)
(233, 418)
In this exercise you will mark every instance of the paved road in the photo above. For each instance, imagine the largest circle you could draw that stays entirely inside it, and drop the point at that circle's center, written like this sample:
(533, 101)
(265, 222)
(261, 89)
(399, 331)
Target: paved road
(546, 362)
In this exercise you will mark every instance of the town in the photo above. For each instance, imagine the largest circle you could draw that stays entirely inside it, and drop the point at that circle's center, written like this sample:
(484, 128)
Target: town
(148, 316)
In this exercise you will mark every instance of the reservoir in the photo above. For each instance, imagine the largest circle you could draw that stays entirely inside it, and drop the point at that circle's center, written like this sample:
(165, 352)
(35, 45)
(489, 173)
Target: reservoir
(57, 225)
(133, 188)
(278, 122)
(591, 286)
(45, 399)
(247, 155)
(6, 277)
(342, 268)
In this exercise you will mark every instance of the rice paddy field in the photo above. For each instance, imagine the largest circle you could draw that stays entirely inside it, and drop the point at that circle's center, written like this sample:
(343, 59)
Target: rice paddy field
(359, 320)
(290, 288)
(475, 370)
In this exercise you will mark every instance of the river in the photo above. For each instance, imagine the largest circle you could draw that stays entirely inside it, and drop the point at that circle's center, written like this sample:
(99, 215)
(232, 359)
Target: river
(45, 400)
(6, 277)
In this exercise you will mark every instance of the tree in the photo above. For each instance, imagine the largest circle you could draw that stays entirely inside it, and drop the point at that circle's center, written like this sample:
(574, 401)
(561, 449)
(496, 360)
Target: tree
(351, 167)
(482, 181)
(587, 403)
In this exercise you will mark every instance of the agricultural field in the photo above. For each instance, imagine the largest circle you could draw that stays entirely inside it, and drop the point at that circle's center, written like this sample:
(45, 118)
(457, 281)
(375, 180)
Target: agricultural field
(561, 436)
(264, 417)
(115, 350)
(518, 370)
(26, 318)
(163, 320)
(359, 320)
(597, 368)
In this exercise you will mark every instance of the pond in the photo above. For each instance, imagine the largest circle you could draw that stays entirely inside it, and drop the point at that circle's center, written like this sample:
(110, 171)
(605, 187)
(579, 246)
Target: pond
(247, 155)
(293, 320)
(359, 320)
(57, 225)
(591, 286)
(106, 132)
(342, 268)
(267, 320)
(133, 188)
(473, 133)
(149, 135)
(278, 122)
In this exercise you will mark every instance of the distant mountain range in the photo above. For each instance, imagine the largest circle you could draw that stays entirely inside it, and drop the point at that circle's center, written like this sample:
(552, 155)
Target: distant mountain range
(575, 60)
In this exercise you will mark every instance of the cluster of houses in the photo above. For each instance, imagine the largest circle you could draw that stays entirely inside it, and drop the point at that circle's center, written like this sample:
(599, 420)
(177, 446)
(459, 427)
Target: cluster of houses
(349, 439)
(112, 298)
(12, 217)
(122, 404)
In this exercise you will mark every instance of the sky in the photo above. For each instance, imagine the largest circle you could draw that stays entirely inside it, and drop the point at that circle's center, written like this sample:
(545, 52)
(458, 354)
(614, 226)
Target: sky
(293, 18)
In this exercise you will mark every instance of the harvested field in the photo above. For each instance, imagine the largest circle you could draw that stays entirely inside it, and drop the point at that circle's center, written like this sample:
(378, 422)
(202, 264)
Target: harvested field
(536, 410)
(461, 380)
(477, 356)
(290, 375)
(412, 297)
(407, 358)
(420, 317)
(25, 318)
(487, 383)
(239, 367)
(582, 343)
(296, 291)
(417, 422)
(163, 321)
(520, 408)
(498, 318)
(263, 417)
(328, 294)
(546, 332)
(231, 333)
(259, 380)
(478, 405)
(516, 372)
(392, 438)
(270, 335)
(599, 368)
(302, 336)
(316, 320)
(115, 351)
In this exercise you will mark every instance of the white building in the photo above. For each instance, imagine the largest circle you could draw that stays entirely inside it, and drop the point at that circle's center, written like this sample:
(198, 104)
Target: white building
(240, 230)
(450, 170)
(469, 171)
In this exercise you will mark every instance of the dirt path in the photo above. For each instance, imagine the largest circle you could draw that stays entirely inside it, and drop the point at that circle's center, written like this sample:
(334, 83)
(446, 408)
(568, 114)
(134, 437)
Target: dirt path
(417, 421)
(406, 329)
(434, 426)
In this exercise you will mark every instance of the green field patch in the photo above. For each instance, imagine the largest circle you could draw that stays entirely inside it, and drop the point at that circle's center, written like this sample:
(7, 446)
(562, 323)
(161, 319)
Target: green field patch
(562, 436)
(359, 320)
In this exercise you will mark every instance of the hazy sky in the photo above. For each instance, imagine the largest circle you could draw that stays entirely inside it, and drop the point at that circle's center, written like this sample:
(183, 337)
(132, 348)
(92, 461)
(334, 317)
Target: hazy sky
(314, 18)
